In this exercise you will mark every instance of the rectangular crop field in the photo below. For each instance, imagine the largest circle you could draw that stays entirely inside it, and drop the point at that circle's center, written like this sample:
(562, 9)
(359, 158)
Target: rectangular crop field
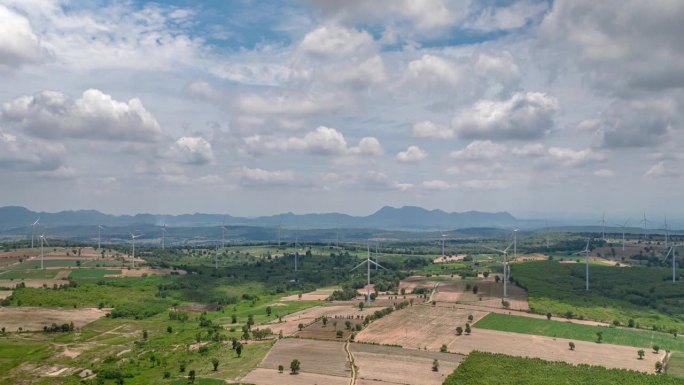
(675, 365)
(321, 357)
(92, 273)
(498, 369)
(618, 336)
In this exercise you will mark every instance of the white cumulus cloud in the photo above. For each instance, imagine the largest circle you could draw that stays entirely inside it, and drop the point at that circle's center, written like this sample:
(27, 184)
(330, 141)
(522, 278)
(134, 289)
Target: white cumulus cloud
(411, 155)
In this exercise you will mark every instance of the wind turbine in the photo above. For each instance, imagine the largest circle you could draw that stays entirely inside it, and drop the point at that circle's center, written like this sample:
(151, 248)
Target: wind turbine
(223, 235)
(603, 229)
(586, 253)
(216, 257)
(163, 236)
(99, 237)
(368, 262)
(42, 255)
(645, 222)
(504, 252)
(443, 246)
(33, 230)
(623, 226)
(666, 231)
(377, 255)
(133, 237)
(672, 251)
(546, 222)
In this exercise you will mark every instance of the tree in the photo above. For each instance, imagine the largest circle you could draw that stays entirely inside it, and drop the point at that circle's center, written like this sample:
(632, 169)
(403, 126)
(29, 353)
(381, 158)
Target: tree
(470, 317)
(630, 323)
(300, 326)
(459, 331)
(181, 367)
(144, 334)
(548, 316)
(268, 311)
(295, 366)
(443, 348)
(191, 377)
(325, 320)
(339, 333)
(659, 367)
(599, 337)
(238, 349)
(505, 304)
(641, 354)
(361, 305)
(233, 318)
(435, 366)
(215, 363)
(280, 368)
(497, 279)
(485, 274)
(656, 349)
(475, 289)
(467, 329)
(169, 329)
(572, 345)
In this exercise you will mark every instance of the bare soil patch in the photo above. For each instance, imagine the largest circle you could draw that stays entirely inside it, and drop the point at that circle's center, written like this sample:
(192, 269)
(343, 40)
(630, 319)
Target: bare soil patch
(329, 332)
(270, 377)
(334, 310)
(196, 307)
(531, 257)
(449, 258)
(5, 293)
(31, 282)
(554, 349)
(321, 357)
(489, 294)
(139, 272)
(317, 295)
(419, 326)
(401, 366)
(34, 318)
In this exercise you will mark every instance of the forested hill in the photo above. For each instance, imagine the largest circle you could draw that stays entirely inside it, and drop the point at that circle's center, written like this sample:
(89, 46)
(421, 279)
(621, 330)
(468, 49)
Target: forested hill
(406, 218)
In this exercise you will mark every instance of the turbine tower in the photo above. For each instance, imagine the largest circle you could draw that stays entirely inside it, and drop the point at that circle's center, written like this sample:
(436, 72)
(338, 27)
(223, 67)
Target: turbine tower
(223, 236)
(672, 251)
(603, 228)
(666, 231)
(443, 246)
(586, 253)
(33, 230)
(645, 222)
(623, 226)
(42, 255)
(504, 252)
(133, 237)
(163, 236)
(99, 237)
(368, 262)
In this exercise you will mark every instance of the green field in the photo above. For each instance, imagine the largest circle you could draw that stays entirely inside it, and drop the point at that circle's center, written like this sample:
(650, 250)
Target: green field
(91, 273)
(29, 274)
(675, 365)
(498, 369)
(551, 328)
(613, 295)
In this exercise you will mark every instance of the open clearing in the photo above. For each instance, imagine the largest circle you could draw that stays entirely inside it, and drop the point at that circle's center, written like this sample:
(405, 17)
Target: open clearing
(381, 365)
(555, 349)
(329, 332)
(488, 294)
(322, 362)
(449, 258)
(419, 326)
(620, 336)
(34, 318)
(317, 295)
(290, 323)
(416, 282)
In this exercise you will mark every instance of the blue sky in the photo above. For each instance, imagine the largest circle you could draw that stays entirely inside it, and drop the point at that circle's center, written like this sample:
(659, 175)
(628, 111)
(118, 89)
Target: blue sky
(259, 107)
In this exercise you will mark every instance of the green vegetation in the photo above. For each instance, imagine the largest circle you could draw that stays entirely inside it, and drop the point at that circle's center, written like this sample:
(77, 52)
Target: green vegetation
(29, 274)
(498, 369)
(675, 365)
(559, 288)
(91, 273)
(560, 329)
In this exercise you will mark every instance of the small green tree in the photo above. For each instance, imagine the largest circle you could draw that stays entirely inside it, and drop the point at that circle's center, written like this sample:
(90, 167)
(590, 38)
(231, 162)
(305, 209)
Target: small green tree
(215, 363)
(144, 334)
(641, 354)
(659, 367)
(324, 320)
(475, 289)
(467, 329)
(548, 316)
(280, 368)
(191, 377)
(361, 305)
(656, 349)
(339, 333)
(599, 337)
(572, 345)
(233, 318)
(470, 318)
(295, 366)
(300, 326)
(435, 366)
(459, 331)
(268, 311)
(630, 323)
(169, 329)
(181, 367)
(443, 348)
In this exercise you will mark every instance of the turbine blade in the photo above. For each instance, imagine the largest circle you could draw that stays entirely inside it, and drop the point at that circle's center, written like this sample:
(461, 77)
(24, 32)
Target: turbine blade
(359, 265)
(493, 249)
(376, 264)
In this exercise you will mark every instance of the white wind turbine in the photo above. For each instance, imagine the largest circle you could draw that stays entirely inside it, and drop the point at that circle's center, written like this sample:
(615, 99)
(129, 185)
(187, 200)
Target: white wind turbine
(33, 230)
(645, 222)
(546, 222)
(623, 226)
(443, 255)
(666, 232)
(504, 252)
(223, 235)
(672, 251)
(99, 237)
(42, 254)
(368, 262)
(163, 240)
(133, 237)
(586, 253)
(603, 229)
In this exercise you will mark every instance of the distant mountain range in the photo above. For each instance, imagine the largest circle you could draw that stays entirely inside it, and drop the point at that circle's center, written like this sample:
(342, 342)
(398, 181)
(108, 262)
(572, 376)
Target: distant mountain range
(404, 218)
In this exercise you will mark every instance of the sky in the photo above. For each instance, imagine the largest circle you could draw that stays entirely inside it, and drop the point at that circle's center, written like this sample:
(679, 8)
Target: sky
(538, 108)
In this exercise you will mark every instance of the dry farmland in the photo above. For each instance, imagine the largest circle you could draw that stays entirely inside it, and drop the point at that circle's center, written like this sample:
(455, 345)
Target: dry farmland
(290, 323)
(554, 349)
(322, 362)
(418, 326)
(34, 318)
(381, 365)
(329, 331)
(317, 295)
(489, 294)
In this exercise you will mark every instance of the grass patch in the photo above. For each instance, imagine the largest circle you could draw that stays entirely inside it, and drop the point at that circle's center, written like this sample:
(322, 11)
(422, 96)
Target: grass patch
(550, 328)
(29, 274)
(15, 352)
(498, 369)
(91, 273)
(675, 366)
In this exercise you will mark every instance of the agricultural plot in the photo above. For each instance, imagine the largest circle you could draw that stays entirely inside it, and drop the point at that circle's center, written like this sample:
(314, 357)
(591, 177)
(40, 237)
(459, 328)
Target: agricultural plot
(382, 365)
(290, 323)
(619, 336)
(555, 349)
(325, 362)
(31, 318)
(489, 294)
(33, 283)
(675, 364)
(92, 273)
(419, 326)
(320, 294)
(415, 282)
(317, 330)
(498, 369)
